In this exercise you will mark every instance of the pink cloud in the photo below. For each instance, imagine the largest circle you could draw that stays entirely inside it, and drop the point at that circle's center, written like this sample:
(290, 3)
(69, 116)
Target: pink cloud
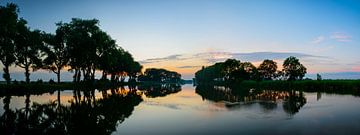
(318, 40)
(341, 37)
(356, 68)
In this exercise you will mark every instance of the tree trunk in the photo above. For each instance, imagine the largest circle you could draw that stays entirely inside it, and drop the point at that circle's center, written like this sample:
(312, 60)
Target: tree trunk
(6, 74)
(122, 79)
(27, 105)
(93, 74)
(27, 74)
(58, 100)
(58, 75)
(78, 76)
(112, 78)
(6, 102)
(103, 77)
(74, 77)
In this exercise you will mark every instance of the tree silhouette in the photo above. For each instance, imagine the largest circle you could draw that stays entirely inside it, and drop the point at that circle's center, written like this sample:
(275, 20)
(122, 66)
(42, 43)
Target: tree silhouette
(28, 45)
(82, 46)
(229, 66)
(57, 51)
(160, 75)
(231, 70)
(250, 71)
(318, 77)
(79, 44)
(134, 71)
(267, 69)
(8, 22)
(293, 69)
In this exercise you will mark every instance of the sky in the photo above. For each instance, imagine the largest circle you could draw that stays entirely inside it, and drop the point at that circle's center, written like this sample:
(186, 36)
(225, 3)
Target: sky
(184, 35)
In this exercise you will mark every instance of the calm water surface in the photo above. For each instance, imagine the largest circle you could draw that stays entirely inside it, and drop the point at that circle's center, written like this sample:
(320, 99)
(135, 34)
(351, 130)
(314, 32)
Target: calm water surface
(185, 110)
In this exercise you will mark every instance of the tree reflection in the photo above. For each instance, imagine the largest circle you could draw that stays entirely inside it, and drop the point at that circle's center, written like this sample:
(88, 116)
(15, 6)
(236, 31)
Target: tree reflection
(160, 90)
(294, 102)
(7, 120)
(268, 99)
(86, 114)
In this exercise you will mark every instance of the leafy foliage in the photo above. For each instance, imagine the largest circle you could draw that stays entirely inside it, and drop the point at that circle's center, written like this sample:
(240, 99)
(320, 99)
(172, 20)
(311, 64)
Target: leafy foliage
(160, 75)
(267, 69)
(293, 69)
(8, 22)
(233, 70)
(79, 46)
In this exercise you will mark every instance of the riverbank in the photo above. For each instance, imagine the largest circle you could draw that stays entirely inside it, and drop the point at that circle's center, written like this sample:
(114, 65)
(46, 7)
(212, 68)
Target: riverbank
(328, 86)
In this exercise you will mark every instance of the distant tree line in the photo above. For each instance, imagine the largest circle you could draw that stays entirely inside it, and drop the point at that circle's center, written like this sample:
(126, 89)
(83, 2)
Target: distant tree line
(79, 46)
(233, 70)
(160, 75)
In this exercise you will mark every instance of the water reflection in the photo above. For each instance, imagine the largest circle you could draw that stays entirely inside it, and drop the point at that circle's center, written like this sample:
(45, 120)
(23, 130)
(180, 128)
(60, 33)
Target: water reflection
(178, 110)
(159, 90)
(291, 101)
(89, 111)
(84, 115)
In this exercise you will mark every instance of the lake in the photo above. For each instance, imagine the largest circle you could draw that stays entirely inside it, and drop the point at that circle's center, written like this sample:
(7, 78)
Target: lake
(175, 109)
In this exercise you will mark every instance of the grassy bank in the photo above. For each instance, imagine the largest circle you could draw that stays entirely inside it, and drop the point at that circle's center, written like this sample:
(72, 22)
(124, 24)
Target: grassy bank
(328, 86)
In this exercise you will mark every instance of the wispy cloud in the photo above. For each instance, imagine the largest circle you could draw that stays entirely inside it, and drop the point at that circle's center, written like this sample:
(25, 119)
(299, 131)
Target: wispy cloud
(212, 57)
(341, 37)
(188, 66)
(168, 58)
(356, 68)
(259, 56)
(318, 40)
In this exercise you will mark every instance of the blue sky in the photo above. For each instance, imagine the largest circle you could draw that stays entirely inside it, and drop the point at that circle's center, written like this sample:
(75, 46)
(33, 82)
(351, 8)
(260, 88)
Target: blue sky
(325, 32)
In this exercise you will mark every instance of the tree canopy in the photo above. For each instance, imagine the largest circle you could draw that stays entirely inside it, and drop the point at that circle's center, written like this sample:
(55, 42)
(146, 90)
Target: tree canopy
(8, 30)
(267, 69)
(79, 45)
(233, 70)
(160, 75)
(293, 69)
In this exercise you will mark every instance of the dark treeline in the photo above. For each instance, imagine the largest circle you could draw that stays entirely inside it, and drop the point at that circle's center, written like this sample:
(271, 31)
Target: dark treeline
(160, 75)
(233, 70)
(79, 46)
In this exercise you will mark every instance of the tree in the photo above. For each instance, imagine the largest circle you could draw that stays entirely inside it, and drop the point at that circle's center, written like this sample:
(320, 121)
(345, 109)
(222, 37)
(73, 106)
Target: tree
(82, 46)
(8, 22)
(229, 66)
(210, 73)
(28, 45)
(279, 75)
(108, 63)
(134, 71)
(160, 75)
(124, 64)
(318, 77)
(229, 71)
(267, 69)
(104, 43)
(293, 69)
(57, 51)
(250, 70)
(119, 64)
(90, 48)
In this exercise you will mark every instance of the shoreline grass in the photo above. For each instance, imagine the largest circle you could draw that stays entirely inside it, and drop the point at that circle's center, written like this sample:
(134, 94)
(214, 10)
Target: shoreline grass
(328, 86)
